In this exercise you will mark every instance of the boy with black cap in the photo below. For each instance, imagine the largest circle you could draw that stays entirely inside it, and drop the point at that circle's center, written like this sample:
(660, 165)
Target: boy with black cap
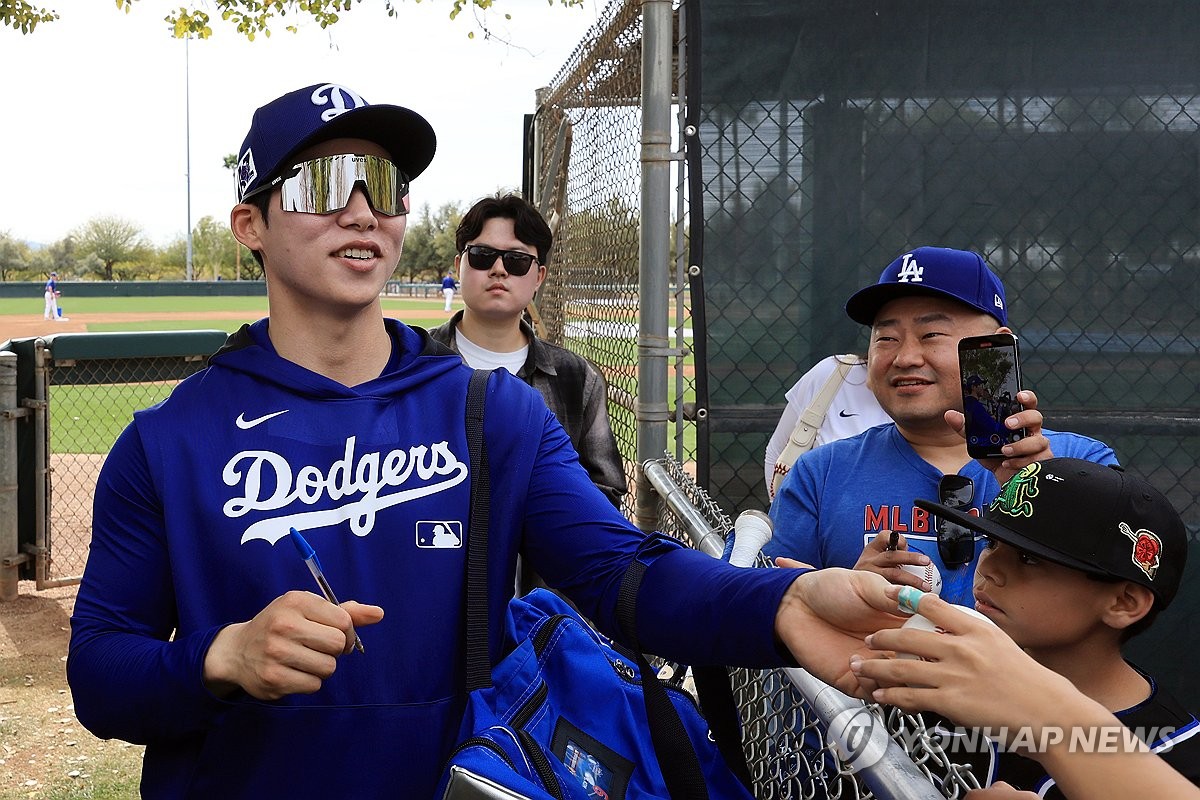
(195, 630)
(1079, 558)
(837, 498)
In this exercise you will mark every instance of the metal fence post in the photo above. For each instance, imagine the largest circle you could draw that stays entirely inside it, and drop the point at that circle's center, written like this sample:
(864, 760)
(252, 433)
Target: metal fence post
(10, 555)
(654, 248)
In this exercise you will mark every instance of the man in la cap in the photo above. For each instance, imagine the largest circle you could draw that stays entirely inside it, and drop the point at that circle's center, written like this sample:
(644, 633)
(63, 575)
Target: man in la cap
(1080, 558)
(197, 629)
(838, 498)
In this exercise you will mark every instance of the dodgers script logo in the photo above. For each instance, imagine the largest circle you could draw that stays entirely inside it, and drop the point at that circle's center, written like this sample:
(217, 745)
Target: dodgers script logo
(366, 484)
(331, 93)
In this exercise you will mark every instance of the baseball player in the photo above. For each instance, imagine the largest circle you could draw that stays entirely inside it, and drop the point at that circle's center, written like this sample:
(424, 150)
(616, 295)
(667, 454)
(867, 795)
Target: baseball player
(1081, 557)
(448, 287)
(195, 630)
(51, 295)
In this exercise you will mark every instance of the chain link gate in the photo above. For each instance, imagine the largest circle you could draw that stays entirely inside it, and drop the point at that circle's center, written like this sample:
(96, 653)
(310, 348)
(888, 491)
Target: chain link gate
(84, 389)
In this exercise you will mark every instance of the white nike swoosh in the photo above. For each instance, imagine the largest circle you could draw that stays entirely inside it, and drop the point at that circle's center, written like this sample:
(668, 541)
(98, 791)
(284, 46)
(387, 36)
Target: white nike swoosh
(247, 424)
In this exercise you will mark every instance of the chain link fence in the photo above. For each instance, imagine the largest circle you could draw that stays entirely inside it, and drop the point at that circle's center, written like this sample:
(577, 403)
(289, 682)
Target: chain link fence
(85, 388)
(826, 146)
(785, 728)
(586, 178)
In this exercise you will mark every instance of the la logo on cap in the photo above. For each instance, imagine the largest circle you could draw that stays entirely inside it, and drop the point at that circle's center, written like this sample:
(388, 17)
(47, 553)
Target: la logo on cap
(910, 270)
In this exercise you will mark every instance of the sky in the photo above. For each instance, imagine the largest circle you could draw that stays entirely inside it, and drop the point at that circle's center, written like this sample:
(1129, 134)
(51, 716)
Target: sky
(95, 119)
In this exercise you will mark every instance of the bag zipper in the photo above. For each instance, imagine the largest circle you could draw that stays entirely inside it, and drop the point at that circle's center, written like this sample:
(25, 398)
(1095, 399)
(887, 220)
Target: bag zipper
(485, 743)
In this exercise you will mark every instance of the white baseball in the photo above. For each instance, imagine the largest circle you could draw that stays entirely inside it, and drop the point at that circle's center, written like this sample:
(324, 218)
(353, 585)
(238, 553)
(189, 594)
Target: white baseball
(928, 573)
(924, 624)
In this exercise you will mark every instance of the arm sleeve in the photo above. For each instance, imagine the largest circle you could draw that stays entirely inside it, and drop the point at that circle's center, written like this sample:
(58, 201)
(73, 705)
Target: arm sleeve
(122, 666)
(699, 610)
(579, 544)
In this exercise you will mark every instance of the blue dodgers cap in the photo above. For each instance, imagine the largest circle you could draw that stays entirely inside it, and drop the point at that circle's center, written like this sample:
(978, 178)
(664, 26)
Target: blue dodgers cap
(958, 274)
(298, 120)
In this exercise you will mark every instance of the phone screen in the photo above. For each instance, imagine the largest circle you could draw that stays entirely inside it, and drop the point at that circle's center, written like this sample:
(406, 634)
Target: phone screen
(991, 377)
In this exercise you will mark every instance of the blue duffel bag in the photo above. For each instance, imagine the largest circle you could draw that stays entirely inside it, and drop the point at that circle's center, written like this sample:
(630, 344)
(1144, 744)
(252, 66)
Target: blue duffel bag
(566, 712)
(566, 717)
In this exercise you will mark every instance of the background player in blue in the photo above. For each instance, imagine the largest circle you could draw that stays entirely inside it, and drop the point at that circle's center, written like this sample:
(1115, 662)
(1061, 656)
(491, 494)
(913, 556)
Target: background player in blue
(194, 630)
(50, 294)
(448, 287)
(838, 497)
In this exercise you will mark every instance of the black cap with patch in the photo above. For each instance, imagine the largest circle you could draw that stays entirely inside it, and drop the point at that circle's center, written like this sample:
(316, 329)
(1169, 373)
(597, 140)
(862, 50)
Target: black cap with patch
(1087, 516)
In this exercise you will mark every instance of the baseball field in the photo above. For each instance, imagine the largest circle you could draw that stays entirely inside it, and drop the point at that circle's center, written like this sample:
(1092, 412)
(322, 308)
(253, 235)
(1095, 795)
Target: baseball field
(21, 317)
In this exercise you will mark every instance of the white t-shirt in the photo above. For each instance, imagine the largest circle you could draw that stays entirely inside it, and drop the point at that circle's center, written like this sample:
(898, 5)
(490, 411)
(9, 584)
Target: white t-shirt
(479, 358)
(853, 410)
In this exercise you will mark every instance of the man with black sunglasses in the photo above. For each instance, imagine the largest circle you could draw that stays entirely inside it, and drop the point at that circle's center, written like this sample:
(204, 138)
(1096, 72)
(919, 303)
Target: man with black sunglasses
(841, 503)
(503, 248)
(197, 630)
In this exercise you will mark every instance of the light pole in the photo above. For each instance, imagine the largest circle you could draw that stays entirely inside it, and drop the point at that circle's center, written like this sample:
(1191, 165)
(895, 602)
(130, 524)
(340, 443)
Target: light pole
(187, 124)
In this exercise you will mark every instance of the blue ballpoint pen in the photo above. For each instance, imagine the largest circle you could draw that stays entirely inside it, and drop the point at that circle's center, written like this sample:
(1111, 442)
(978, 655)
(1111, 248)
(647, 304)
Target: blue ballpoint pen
(314, 566)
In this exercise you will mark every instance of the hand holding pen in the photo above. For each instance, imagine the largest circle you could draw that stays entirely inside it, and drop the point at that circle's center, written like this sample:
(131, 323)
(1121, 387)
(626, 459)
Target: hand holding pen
(314, 566)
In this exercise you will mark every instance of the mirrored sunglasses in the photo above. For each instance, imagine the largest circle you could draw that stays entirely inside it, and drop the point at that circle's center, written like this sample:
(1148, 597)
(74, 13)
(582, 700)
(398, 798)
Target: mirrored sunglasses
(482, 257)
(324, 185)
(956, 543)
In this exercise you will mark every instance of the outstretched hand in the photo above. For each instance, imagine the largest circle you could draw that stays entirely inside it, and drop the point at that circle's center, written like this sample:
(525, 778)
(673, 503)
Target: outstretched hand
(825, 616)
(290, 647)
(953, 665)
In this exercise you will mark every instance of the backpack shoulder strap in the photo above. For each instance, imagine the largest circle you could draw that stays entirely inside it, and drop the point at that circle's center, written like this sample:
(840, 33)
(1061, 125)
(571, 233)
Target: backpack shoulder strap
(676, 757)
(479, 663)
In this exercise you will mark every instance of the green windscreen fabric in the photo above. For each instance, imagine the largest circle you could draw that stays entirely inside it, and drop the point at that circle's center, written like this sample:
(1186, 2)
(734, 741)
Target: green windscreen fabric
(1058, 139)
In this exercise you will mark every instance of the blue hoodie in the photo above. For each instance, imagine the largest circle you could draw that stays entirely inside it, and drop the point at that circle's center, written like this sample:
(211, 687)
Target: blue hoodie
(192, 511)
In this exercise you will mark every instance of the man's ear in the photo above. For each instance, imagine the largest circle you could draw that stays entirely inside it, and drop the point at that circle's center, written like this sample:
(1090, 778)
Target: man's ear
(541, 276)
(1004, 329)
(1128, 603)
(458, 265)
(244, 221)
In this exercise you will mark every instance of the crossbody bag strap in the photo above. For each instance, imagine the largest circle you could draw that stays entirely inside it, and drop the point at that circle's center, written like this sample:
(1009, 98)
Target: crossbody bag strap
(805, 433)
(479, 663)
(677, 757)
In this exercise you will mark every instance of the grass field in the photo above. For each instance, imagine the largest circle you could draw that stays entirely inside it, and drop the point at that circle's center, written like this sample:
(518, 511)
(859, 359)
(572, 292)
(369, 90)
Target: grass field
(87, 419)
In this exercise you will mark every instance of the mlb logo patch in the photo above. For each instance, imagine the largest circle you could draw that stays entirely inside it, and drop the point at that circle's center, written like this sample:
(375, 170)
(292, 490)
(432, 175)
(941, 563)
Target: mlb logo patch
(439, 535)
(246, 172)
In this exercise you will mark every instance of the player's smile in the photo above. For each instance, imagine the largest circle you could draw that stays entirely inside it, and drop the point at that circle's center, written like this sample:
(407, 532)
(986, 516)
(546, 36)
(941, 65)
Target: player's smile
(361, 256)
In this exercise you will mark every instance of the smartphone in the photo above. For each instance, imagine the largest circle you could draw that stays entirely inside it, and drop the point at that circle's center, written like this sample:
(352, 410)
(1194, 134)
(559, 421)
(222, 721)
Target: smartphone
(990, 370)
